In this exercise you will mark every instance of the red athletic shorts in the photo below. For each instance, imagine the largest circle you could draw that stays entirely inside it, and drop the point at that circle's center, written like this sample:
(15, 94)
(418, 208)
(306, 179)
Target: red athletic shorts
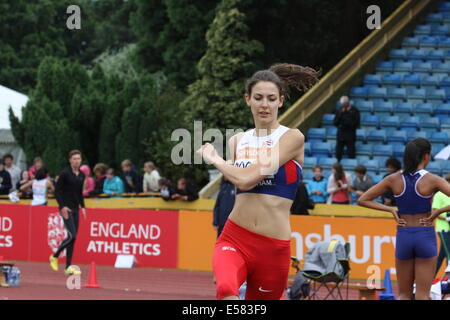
(242, 255)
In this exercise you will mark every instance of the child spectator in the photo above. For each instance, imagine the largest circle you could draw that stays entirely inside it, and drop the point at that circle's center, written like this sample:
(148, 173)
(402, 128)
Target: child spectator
(89, 183)
(185, 191)
(317, 187)
(166, 190)
(151, 178)
(113, 185)
(131, 178)
(100, 176)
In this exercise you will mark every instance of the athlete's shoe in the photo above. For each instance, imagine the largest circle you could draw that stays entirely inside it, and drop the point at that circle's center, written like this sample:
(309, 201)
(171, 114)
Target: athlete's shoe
(54, 263)
(72, 271)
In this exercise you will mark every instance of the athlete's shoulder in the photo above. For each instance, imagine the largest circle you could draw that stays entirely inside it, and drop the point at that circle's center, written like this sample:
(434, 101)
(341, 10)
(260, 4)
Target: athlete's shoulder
(294, 135)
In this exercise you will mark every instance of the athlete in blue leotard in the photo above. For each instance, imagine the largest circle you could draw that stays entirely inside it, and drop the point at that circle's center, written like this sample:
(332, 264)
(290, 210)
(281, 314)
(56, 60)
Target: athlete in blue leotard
(413, 188)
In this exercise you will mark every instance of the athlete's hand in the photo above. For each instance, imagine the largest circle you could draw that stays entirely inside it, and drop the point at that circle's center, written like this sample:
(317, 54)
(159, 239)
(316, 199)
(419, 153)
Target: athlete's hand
(428, 222)
(208, 153)
(64, 212)
(400, 222)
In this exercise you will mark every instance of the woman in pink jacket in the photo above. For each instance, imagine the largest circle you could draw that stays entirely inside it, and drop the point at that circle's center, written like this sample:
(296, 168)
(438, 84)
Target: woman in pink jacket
(89, 183)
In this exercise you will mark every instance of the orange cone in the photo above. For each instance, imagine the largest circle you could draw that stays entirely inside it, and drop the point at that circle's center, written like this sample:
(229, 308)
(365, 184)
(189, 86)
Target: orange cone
(92, 277)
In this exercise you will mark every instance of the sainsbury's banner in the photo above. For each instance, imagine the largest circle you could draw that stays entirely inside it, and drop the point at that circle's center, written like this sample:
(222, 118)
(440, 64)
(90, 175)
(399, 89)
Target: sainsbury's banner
(14, 226)
(151, 236)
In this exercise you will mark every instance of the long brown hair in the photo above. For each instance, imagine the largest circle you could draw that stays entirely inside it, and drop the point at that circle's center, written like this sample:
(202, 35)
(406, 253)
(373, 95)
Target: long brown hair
(339, 175)
(284, 75)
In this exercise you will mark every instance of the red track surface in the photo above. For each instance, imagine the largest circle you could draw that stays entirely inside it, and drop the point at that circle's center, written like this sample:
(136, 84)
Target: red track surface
(39, 282)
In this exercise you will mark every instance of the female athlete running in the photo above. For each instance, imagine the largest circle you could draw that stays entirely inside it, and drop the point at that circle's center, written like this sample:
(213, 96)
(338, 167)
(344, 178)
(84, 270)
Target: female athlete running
(413, 188)
(254, 245)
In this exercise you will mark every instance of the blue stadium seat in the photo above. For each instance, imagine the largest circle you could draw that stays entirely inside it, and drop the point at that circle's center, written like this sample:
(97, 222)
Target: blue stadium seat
(446, 17)
(434, 94)
(422, 67)
(309, 162)
(372, 79)
(434, 168)
(398, 148)
(445, 123)
(417, 54)
(331, 133)
(444, 42)
(396, 94)
(417, 95)
(396, 136)
(429, 124)
(428, 42)
(398, 55)
(349, 164)
(370, 121)
(308, 175)
(327, 119)
(364, 106)
(389, 122)
(385, 66)
(436, 55)
(375, 93)
(438, 30)
(403, 67)
(445, 81)
(371, 165)
(376, 136)
(391, 79)
(361, 135)
(359, 92)
(363, 149)
(443, 6)
(327, 163)
(321, 149)
(362, 159)
(381, 150)
(434, 17)
(410, 42)
(411, 80)
(416, 134)
(426, 108)
(409, 122)
(422, 30)
(316, 134)
(442, 110)
(439, 137)
(441, 68)
(403, 108)
(377, 179)
(445, 166)
(307, 147)
(383, 108)
(429, 81)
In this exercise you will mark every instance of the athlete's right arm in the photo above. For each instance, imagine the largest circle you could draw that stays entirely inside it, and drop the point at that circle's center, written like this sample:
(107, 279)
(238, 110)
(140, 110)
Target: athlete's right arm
(443, 186)
(366, 199)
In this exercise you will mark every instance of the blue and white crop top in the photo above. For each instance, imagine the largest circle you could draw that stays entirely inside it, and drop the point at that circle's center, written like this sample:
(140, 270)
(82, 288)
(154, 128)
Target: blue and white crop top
(284, 181)
(410, 201)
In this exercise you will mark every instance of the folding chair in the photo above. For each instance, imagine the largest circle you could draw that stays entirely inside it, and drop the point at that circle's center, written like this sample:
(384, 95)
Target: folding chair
(333, 275)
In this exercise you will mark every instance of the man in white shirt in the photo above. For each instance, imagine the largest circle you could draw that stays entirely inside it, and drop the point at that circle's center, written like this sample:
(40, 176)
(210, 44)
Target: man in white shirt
(13, 170)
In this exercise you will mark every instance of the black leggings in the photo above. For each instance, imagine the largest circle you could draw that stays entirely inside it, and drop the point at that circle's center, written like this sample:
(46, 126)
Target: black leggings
(71, 225)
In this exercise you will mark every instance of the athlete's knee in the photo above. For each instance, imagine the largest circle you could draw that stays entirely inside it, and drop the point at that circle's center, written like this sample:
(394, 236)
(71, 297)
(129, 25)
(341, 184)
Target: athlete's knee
(226, 290)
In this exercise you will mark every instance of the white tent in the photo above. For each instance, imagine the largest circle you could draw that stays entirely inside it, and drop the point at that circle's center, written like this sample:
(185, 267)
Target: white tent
(17, 101)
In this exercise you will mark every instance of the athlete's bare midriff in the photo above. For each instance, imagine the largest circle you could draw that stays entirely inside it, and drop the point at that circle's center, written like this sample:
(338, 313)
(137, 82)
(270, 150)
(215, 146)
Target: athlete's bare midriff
(263, 214)
(413, 220)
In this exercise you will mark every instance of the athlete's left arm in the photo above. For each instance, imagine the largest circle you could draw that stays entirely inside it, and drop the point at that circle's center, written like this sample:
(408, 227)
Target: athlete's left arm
(443, 186)
(289, 147)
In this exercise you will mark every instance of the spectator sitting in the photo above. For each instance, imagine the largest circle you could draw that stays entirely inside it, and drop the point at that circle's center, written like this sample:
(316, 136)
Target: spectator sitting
(131, 178)
(5, 179)
(317, 187)
(113, 185)
(302, 202)
(40, 185)
(362, 181)
(37, 164)
(185, 191)
(166, 190)
(100, 176)
(89, 183)
(151, 178)
(338, 184)
(393, 165)
(24, 178)
(13, 170)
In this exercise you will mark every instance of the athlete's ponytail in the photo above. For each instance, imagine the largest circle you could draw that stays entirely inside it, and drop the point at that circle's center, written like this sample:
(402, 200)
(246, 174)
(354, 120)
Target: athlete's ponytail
(284, 75)
(414, 153)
